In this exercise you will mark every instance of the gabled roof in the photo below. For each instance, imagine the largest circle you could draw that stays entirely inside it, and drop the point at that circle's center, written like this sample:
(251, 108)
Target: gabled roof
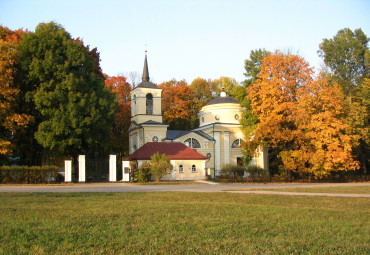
(173, 151)
(174, 134)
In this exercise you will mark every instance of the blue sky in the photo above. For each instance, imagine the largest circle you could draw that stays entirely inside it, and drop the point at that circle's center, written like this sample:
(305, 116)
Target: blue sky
(189, 39)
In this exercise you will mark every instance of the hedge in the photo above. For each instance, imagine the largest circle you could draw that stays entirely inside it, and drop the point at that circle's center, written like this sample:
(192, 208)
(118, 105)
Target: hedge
(25, 174)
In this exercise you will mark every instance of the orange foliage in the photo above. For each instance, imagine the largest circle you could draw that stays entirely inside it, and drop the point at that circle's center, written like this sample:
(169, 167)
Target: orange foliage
(9, 91)
(301, 116)
(121, 87)
(176, 102)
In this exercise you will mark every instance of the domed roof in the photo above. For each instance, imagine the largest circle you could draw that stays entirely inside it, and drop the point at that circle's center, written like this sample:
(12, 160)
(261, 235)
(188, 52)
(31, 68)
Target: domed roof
(223, 100)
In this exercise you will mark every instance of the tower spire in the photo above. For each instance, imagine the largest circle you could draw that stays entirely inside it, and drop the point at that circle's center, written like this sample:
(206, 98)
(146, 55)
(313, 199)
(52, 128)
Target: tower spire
(145, 70)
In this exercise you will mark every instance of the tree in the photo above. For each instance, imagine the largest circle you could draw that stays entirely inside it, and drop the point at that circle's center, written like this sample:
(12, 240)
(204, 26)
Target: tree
(11, 120)
(300, 116)
(66, 85)
(177, 104)
(345, 55)
(253, 65)
(119, 138)
(160, 165)
(202, 89)
(224, 83)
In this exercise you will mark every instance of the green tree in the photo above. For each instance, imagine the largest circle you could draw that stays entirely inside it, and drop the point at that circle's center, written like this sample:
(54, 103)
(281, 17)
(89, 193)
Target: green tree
(253, 65)
(345, 55)
(248, 120)
(160, 166)
(64, 81)
(224, 83)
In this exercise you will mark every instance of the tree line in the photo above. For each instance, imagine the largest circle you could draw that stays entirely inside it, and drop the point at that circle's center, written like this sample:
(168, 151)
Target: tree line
(56, 103)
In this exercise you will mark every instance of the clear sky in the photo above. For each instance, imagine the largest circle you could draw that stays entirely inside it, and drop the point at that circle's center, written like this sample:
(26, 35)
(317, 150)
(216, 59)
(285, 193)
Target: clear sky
(191, 38)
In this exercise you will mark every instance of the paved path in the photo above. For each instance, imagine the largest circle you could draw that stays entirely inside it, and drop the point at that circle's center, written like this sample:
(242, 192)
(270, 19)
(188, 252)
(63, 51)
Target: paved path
(201, 187)
(266, 192)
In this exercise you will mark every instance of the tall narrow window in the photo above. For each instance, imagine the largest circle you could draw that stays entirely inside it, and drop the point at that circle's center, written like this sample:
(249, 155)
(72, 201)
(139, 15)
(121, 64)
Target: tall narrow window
(181, 169)
(149, 104)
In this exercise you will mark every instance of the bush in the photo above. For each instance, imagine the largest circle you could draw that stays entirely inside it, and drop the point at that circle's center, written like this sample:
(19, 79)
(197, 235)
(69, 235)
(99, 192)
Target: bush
(160, 166)
(234, 173)
(256, 172)
(25, 174)
(143, 173)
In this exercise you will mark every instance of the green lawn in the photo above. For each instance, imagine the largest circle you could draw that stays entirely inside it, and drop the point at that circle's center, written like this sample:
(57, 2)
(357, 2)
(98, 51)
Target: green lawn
(182, 223)
(315, 189)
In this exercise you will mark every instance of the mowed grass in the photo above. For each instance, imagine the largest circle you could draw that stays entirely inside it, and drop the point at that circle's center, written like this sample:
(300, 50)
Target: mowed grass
(340, 189)
(182, 223)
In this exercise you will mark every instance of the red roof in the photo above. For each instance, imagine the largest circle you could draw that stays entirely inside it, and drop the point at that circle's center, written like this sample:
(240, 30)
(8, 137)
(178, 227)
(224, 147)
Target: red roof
(173, 150)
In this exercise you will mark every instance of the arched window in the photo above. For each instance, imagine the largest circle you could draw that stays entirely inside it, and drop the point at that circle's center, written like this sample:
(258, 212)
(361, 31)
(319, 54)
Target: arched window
(149, 104)
(193, 168)
(181, 169)
(193, 143)
(236, 144)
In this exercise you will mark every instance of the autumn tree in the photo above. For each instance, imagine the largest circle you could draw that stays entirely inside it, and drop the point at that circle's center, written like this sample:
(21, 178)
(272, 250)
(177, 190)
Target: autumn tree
(347, 57)
(11, 119)
(301, 116)
(119, 138)
(66, 86)
(177, 104)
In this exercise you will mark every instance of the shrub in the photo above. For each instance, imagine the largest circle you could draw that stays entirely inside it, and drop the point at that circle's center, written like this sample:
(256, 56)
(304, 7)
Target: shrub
(234, 173)
(256, 172)
(160, 165)
(25, 174)
(143, 173)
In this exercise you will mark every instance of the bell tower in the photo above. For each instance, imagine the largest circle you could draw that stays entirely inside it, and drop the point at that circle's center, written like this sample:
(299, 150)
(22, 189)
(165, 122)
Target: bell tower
(146, 112)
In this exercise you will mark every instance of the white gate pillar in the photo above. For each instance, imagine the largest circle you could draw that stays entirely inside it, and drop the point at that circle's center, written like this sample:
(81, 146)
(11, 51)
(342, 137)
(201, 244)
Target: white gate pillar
(81, 168)
(112, 168)
(67, 170)
(126, 171)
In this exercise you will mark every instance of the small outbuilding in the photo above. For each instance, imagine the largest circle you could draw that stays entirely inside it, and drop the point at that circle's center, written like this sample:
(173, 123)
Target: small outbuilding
(187, 163)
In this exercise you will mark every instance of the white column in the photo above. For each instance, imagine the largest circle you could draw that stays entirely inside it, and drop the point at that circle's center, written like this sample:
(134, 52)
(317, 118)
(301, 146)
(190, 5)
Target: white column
(217, 137)
(173, 169)
(137, 140)
(126, 171)
(131, 144)
(227, 147)
(67, 170)
(81, 168)
(112, 168)
(204, 168)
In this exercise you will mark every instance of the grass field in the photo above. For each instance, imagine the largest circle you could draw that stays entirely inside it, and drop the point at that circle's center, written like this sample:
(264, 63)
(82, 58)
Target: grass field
(182, 223)
(339, 189)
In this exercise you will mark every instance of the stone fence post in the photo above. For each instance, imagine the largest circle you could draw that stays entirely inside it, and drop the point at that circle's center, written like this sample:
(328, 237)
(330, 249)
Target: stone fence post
(67, 170)
(112, 168)
(81, 168)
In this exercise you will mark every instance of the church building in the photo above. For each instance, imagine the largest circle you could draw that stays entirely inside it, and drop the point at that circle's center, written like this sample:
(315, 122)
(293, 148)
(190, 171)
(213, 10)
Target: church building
(216, 142)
